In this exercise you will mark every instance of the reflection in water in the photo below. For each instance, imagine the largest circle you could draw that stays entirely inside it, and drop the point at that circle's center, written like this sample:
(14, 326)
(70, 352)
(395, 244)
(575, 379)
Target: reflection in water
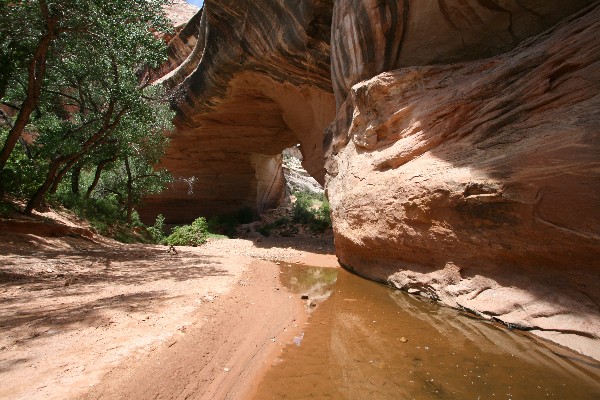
(298, 339)
(314, 282)
(367, 341)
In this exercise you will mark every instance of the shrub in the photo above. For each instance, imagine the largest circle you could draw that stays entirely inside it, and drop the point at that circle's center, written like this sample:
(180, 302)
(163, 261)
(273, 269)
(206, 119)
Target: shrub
(313, 210)
(226, 224)
(21, 175)
(7, 209)
(124, 235)
(223, 224)
(189, 235)
(216, 236)
(157, 231)
(100, 212)
(245, 215)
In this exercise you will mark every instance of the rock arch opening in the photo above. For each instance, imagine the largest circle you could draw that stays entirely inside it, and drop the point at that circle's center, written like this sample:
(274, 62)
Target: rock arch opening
(232, 153)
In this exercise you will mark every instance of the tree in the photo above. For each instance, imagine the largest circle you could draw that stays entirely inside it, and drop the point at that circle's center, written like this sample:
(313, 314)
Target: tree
(44, 29)
(87, 82)
(135, 173)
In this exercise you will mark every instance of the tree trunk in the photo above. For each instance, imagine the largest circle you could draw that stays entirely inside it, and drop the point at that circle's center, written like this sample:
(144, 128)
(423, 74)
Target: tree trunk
(129, 191)
(36, 71)
(89, 145)
(75, 175)
(99, 170)
(4, 79)
(61, 174)
(38, 196)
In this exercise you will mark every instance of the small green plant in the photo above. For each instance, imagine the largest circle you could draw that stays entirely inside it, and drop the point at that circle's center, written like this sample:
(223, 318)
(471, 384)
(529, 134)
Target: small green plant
(190, 235)
(100, 227)
(124, 235)
(313, 210)
(157, 231)
(217, 236)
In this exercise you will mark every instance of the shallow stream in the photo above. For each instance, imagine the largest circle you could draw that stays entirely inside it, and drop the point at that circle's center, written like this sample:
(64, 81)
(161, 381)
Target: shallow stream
(366, 341)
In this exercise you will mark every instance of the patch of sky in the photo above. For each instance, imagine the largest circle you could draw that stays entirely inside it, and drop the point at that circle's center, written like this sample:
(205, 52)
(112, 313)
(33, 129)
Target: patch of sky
(197, 3)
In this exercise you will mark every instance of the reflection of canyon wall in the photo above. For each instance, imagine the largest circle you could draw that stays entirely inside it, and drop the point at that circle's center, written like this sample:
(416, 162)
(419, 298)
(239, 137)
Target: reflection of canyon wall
(256, 82)
(477, 182)
(369, 342)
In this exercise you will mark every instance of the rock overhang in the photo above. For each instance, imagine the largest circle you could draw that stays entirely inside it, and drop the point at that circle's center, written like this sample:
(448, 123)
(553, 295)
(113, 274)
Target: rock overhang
(256, 82)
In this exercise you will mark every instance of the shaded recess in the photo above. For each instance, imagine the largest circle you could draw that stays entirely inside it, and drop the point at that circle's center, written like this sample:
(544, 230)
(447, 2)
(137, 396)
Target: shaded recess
(250, 79)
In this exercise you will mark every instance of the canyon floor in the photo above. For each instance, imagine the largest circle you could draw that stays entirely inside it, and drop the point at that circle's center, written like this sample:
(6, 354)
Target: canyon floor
(96, 319)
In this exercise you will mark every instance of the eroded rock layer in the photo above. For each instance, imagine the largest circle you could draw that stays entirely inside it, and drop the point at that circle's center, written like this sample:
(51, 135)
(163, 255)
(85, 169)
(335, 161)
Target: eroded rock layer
(256, 82)
(478, 183)
(374, 36)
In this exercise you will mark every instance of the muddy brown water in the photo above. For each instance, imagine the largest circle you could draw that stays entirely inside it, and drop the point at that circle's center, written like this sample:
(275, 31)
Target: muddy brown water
(367, 341)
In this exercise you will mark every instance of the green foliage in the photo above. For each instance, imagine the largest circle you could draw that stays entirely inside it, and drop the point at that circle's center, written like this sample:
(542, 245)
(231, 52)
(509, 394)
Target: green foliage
(124, 235)
(95, 100)
(22, 175)
(105, 215)
(157, 231)
(223, 224)
(217, 236)
(102, 213)
(313, 210)
(7, 209)
(245, 215)
(190, 235)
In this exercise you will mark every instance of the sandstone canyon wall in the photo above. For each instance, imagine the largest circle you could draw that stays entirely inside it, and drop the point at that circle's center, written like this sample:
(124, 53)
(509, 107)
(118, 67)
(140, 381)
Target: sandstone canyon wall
(256, 81)
(475, 182)
(458, 140)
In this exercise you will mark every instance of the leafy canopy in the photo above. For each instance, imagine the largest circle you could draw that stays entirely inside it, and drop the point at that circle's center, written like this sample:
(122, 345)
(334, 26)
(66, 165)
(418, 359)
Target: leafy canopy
(95, 104)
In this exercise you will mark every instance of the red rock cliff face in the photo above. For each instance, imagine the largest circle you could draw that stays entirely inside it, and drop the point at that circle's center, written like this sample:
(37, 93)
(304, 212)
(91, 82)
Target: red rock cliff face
(373, 36)
(463, 161)
(477, 182)
(256, 82)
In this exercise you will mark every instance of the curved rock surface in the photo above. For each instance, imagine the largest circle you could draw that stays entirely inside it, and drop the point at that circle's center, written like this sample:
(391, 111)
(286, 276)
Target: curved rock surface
(186, 20)
(256, 82)
(478, 183)
(374, 36)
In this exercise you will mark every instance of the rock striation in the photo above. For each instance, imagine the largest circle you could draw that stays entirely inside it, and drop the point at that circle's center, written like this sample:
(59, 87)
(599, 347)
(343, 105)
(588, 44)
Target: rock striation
(257, 81)
(477, 183)
(374, 36)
